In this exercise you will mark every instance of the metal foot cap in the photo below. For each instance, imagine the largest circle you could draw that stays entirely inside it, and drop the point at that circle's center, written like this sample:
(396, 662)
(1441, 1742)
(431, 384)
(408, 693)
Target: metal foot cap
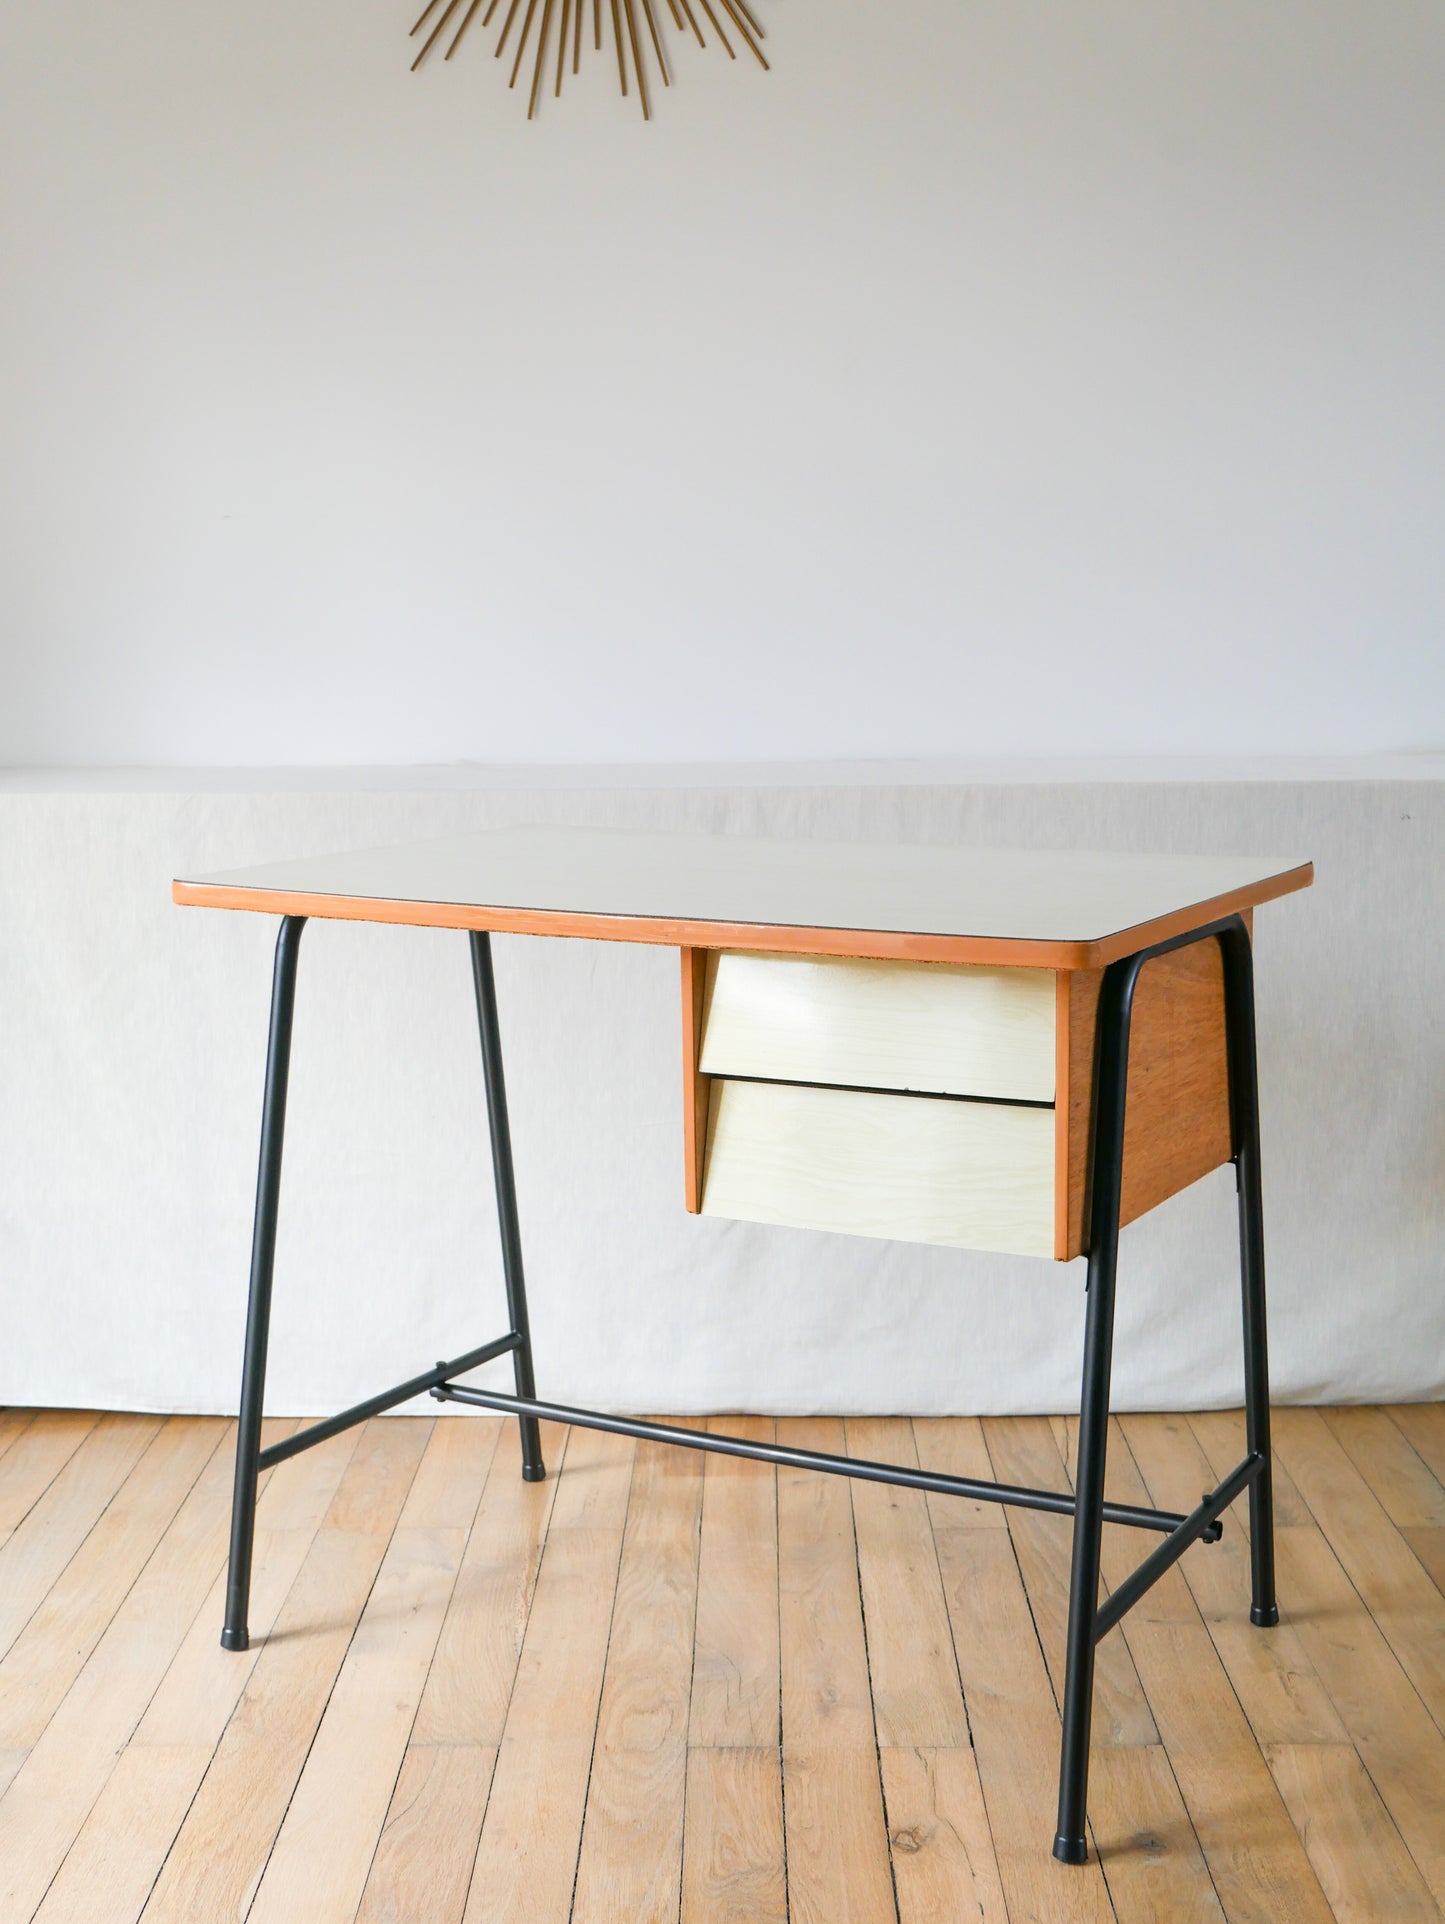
(1265, 1617)
(1071, 1850)
(534, 1473)
(235, 1639)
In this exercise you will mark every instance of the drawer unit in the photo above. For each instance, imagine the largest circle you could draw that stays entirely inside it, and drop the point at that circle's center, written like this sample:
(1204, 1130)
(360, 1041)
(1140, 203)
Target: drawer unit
(939, 1103)
(928, 1026)
(923, 1169)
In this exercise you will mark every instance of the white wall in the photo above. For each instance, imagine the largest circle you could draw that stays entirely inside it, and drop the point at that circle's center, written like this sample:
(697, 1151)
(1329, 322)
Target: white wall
(991, 375)
(133, 1043)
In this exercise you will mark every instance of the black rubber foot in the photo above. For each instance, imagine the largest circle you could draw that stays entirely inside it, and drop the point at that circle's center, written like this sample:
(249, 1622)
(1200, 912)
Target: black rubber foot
(534, 1473)
(1071, 1850)
(1265, 1619)
(235, 1639)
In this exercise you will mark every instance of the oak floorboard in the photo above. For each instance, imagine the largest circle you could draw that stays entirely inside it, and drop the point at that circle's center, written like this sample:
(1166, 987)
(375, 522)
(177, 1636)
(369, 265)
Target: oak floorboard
(47, 1444)
(190, 1710)
(1409, 1491)
(1398, 1592)
(1016, 1731)
(1149, 1849)
(630, 1863)
(1357, 1852)
(834, 1825)
(204, 1683)
(60, 1519)
(735, 1684)
(1423, 1427)
(110, 1868)
(65, 1627)
(1399, 1742)
(1276, 1683)
(55, 1788)
(470, 1683)
(526, 1859)
(1254, 1854)
(1427, 1540)
(917, 1700)
(323, 1852)
(1023, 1451)
(732, 1863)
(215, 1865)
(428, 1844)
(13, 1425)
(938, 1834)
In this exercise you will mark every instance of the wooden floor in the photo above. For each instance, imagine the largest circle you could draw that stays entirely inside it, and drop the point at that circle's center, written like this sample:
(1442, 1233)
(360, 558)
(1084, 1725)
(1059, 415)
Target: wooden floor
(663, 1687)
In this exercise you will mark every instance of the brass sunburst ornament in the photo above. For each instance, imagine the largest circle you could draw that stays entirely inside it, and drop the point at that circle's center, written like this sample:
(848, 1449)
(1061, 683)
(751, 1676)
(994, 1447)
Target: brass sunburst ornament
(625, 35)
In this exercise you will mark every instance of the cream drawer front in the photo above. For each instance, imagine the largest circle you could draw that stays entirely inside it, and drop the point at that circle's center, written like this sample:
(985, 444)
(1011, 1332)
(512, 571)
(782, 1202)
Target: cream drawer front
(881, 1025)
(973, 1175)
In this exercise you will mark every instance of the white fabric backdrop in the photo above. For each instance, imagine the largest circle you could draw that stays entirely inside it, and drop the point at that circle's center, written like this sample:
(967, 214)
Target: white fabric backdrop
(129, 1104)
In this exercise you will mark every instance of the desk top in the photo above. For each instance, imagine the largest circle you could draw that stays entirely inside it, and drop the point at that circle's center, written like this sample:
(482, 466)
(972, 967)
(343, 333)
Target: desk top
(1003, 907)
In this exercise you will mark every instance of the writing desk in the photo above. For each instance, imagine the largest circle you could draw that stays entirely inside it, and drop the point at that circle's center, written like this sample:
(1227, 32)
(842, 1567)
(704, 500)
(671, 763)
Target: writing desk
(999, 1050)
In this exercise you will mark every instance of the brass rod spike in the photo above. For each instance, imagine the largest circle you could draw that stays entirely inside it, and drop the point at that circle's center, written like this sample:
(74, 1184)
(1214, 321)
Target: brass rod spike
(507, 27)
(577, 37)
(430, 40)
(656, 42)
(738, 22)
(597, 25)
(621, 58)
(676, 16)
(717, 29)
(747, 13)
(691, 21)
(522, 43)
(541, 56)
(421, 17)
(637, 60)
(466, 22)
(562, 44)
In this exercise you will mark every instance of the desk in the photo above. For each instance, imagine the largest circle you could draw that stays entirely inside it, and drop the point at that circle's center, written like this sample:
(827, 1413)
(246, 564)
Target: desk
(1000, 1050)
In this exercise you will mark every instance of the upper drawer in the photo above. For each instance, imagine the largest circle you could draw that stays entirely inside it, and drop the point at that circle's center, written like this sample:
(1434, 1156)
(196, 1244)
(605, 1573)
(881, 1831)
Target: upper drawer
(928, 1026)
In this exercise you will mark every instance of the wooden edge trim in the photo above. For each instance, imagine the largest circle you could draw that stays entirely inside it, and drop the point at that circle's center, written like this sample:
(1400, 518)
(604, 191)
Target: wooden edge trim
(762, 937)
(1110, 948)
(696, 1087)
(1061, 1116)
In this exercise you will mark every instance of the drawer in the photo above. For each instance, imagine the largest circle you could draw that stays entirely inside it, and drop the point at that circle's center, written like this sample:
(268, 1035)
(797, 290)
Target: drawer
(972, 1175)
(927, 1026)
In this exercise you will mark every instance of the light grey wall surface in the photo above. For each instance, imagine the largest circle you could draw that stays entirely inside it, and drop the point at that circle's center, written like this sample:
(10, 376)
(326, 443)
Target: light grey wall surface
(129, 1106)
(995, 377)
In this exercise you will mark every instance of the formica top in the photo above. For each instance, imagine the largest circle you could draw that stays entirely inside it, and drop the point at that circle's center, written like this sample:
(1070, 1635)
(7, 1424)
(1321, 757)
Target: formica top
(1021, 907)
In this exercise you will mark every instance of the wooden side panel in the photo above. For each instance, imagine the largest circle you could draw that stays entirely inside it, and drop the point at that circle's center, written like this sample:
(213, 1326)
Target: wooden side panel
(922, 1169)
(1176, 1126)
(695, 1085)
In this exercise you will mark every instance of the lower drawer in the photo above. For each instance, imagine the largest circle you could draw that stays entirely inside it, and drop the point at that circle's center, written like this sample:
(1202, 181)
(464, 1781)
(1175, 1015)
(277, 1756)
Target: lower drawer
(972, 1175)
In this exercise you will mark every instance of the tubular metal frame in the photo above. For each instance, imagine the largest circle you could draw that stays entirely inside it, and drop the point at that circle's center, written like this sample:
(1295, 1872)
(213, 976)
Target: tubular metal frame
(1088, 1620)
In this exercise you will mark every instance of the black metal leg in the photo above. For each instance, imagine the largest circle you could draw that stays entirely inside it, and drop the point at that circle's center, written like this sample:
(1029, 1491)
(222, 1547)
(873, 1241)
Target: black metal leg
(533, 1468)
(1244, 1104)
(1115, 1000)
(1086, 1622)
(235, 1635)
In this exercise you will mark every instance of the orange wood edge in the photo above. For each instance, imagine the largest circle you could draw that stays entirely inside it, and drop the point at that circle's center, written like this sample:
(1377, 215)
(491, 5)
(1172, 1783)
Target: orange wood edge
(696, 1087)
(1061, 1116)
(761, 937)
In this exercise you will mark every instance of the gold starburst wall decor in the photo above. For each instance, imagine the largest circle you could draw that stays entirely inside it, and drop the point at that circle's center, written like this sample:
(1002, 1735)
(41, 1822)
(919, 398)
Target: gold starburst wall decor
(438, 15)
